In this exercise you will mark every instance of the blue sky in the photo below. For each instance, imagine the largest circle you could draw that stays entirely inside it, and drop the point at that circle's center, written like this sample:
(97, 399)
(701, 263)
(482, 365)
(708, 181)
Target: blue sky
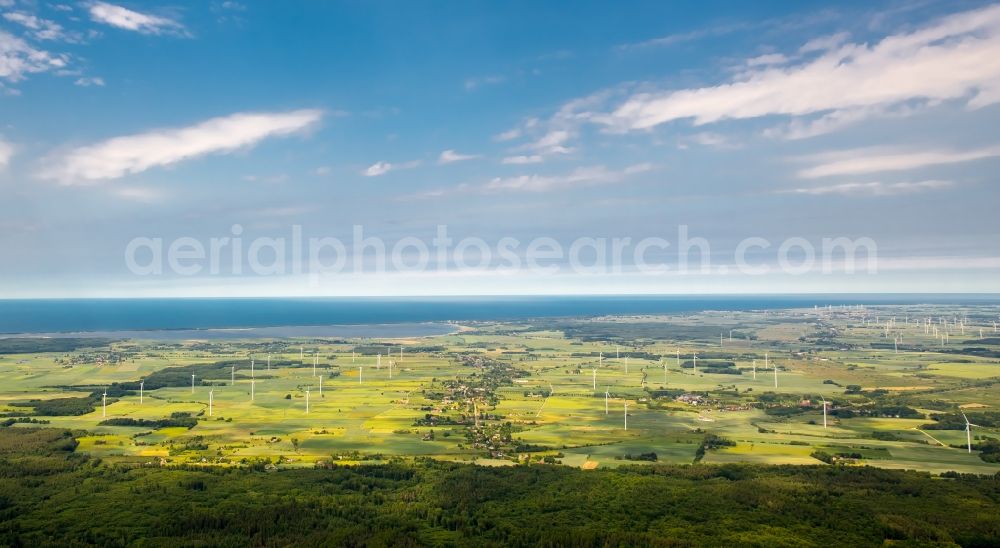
(774, 120)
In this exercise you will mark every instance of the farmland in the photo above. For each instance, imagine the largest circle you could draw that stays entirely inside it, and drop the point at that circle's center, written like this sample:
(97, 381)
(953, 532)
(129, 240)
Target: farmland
(895, 380)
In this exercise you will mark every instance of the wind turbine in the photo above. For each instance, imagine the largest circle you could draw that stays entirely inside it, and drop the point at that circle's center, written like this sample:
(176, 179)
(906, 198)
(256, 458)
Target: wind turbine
(595, 378)
(251, 368)
(626, 415)
(390, 369)
(315, 361)
(359, 374)
(104, 403)
(678, 351)
(253, 386)
(695, 362)
(775, 376)
(968, 431)
(765, 360)
(755, 370)
(321, 386)
(142, 385)
(192, 383)
(626, 365)
(378, 362)
(307, 401)
(352, 356)
(268, 362)
(606, 396)
(617, 348)
(232, 375)
(664, 370)
(302, 353)
(824, 410)
(600, 359)
(210, 398)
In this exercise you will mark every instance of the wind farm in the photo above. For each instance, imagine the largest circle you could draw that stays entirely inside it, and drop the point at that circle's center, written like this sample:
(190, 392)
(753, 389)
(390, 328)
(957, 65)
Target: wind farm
(836, 387)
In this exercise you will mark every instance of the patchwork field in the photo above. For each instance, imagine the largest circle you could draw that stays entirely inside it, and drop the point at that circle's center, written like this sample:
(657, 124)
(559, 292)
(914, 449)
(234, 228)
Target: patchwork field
(718, 387)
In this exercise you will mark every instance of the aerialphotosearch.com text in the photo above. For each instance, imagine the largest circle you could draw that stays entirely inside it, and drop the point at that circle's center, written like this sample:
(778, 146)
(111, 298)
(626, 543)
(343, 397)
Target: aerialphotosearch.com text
(318, 256)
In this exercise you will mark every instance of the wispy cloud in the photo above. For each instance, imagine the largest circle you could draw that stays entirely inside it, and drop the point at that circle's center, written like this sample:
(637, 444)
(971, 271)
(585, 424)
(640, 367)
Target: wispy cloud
(954, 58)
(88, 81)
(474, 83)
(130, 154)
(579, 177)
(144, 23)
(517, 131)
(6, 152)
(522, 159)
(381, 168)
(39, 28)
(879, 159)
(875, 188)
(450, 156)
(683, 37)
(18, 59)
(147, 195)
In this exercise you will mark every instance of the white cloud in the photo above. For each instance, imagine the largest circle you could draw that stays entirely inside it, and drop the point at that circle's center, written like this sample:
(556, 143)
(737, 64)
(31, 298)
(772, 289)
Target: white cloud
(953, 58)
(767, 60)
(41, 29)
(551, 143)
(145, 195)
(18, 59)
(709, 139)
(473, 83)
(87, 81)
(6, 152)
(582, 176)
(124, 18)
(522, 159)
(518, 131)
(450, 156)
(381, 168)
(322, 171)
(130, 154)
(376, 169)
(876, 188)
(682, 37)
(824, 43)
(876, 160)
(269, 179)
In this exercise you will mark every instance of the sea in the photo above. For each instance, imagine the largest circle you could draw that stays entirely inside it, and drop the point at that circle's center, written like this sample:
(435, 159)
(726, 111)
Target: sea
(381, 317)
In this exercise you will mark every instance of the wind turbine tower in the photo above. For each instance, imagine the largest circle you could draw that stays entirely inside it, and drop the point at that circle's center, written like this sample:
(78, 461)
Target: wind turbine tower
(968, 432)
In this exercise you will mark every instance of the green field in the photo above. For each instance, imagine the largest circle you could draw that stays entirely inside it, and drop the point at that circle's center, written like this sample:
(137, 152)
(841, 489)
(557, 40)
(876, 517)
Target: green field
(500, 393)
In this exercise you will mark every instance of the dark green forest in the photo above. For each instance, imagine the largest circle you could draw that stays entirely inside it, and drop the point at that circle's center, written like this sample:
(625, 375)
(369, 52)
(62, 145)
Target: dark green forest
(51, 495)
